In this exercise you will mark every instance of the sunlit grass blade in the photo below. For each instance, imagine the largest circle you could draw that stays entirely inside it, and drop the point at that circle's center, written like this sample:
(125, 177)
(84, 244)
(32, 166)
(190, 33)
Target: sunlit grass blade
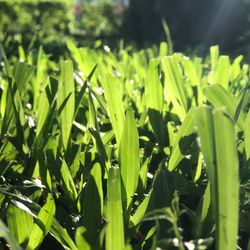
(80, 237)
(42, 224)
(205, 126)
(65, 177)
(62, 236)
(247, 135)
(191, 71)
(214, 56)
(205, 219)
(115, 226)
(153, 87)
(182, 140)
(173, 86)
(154, 100)
(129, 158)
(219, 96)
(80, 95)
(113, 96)
(17, 217)
(66, 90)
(221, 73)
(42, 110)
(22, 73)
(227, 181)
(242, 103)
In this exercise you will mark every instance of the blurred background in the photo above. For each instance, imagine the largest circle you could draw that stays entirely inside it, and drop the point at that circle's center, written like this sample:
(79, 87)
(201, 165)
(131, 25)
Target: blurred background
(194, 24)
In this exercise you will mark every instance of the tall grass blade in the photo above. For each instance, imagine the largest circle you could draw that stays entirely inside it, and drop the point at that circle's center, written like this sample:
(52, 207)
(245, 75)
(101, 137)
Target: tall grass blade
(62, 236)
(154, 100)
(173, 85)
(92, 205)
(113, 96)
(17, 217)
(182, 140)
(129, 158)
(66, 90)
(218, 143)
(219, 96)
(227, 181)
(115, 227)
(42, 224)
(247, 135)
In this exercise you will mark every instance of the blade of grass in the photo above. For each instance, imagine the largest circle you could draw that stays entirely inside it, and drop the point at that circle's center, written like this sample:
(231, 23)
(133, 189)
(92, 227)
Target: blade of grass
(42, 224)
(66, 90)
(129, 158)
(173, 85)
(179, 146)
(115, 227)
(92, 205)
(247, 135)
(17, 217)
(113, 96)
(219, 96)
(227, 181)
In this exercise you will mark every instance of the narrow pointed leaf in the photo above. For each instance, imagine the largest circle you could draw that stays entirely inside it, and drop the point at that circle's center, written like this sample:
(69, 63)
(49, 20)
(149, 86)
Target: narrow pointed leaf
(17, 217)
(115, 227)
(227, 181)
(182, 140)
(113, 96)
(129, 157)
(66, 90)
(42, 224)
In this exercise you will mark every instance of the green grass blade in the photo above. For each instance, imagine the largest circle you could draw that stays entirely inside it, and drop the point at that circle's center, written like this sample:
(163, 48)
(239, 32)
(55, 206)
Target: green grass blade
(247, 135)
(218, 143)
(154, 100)
(115, 227)
(80, 95)
(42, 111)
(67, 181)
(173, 85)
(80, 239)
(168, 36)
(92, 204)
(182, 140)
(113, 96)
(141, 210)
(221, 74)
(62, 236)
(129, 158)
(43, 224)
(219, 97)
(22, 73)
(214, 55)
(227, 181)
(205, 126)
(153, 87)
(17, 217)
(66, 90)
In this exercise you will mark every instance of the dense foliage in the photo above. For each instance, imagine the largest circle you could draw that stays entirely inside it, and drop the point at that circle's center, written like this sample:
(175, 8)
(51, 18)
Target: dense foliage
(50, 23)
(124, 150)
(32, 23)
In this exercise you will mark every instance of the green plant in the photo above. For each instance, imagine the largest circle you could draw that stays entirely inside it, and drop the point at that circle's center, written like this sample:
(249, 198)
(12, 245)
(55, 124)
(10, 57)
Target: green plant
(124, 150)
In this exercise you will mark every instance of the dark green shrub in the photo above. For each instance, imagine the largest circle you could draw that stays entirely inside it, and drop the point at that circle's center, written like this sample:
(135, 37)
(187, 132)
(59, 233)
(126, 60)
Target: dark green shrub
(41, 22)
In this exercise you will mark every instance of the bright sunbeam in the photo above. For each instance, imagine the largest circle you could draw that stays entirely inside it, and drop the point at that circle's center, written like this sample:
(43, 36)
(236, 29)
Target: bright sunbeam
(218, 17)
